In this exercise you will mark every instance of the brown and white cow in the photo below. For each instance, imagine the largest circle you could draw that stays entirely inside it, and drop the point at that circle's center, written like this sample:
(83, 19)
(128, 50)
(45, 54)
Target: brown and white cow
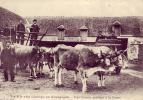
(25, 56)
(83, 61)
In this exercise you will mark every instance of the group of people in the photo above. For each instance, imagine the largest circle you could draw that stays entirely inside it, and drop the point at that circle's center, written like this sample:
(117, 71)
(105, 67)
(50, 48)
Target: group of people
(8, 53)
(34, 30)
(18, 34)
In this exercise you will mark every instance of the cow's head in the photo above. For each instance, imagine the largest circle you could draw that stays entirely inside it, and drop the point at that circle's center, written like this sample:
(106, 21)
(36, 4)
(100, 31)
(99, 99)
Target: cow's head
(105, 60)
(117, 59)
(37, 53)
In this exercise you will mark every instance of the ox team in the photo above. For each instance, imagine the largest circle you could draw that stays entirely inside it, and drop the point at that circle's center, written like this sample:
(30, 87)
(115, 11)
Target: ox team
(82, 59)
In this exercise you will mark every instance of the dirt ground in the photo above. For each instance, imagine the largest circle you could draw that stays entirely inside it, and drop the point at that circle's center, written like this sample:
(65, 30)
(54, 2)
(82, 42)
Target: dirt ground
(126, 86)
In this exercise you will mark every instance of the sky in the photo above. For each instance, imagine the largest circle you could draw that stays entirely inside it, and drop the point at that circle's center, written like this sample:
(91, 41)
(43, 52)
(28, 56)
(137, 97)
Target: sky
(96, 8)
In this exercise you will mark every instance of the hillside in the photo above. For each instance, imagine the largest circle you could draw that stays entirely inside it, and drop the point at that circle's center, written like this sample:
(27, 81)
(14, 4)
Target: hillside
(8, 18)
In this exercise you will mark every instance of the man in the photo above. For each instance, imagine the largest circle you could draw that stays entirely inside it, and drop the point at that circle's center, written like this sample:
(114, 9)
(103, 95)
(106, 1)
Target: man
(13, 35)
(6, 31)
(6, 34)
(34, 32)
(100, 36)
(20, 31)
(8, 61)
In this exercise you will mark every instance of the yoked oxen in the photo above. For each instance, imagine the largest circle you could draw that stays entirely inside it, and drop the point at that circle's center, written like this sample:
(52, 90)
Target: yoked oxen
(117, 58)
(84, 61)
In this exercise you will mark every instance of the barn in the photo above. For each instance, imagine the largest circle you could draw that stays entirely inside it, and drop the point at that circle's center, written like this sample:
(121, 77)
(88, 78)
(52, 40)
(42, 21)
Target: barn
(123, 33)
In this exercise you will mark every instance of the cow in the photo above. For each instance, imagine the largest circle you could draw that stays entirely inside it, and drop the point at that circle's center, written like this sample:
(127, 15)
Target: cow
(28, 56)
(83, 61)
(96, 49)
(25, 56)
(118, 59)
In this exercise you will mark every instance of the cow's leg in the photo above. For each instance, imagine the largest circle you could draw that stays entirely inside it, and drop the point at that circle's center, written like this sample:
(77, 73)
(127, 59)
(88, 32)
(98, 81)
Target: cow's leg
(84, 81)
(51, 71)
(99, 80)
(16, 66)
(34, 71)
(60, 78)
(49, 65)
(31, 71)
(39, 69)
(42, 68)
(103, 81)
(75, 78)
(56, 71)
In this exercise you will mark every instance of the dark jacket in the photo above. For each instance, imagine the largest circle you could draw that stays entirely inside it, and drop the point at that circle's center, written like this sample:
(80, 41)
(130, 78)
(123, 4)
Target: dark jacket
(21, 27)
(34, 28)
(6, 32)
(8, 57)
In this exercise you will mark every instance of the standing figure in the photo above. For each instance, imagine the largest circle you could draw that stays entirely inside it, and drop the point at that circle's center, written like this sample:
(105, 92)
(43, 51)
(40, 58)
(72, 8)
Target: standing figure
(21, 32)
(6, 34)
(13, 35)
(8, 61)
(34, 32)
(100, 36)
(6, 31)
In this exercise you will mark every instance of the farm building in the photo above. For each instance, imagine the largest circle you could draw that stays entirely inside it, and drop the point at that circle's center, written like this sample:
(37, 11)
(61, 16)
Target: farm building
(120, 32)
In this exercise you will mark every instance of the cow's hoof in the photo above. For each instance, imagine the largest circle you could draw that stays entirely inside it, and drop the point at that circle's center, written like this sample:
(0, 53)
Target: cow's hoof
(61, 85)
(76, 82)
(30, 79)
(43, 74)
(50, 77)
(38, 75)
(103, 87)
(36, 88)
(84, 91)
(56, 85)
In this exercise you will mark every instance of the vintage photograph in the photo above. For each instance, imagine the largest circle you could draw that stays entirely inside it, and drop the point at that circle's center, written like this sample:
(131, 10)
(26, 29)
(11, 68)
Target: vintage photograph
(71, 49)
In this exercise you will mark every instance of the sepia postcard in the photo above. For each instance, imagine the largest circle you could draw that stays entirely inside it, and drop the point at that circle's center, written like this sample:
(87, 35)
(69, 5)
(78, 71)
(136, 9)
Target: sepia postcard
(71, 49)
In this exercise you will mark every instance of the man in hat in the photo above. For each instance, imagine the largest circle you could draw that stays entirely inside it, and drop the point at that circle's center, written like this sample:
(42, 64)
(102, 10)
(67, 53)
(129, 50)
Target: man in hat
(6, 34)
(6, 31)
(34, 32)
(21, 32)
(8, 61)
